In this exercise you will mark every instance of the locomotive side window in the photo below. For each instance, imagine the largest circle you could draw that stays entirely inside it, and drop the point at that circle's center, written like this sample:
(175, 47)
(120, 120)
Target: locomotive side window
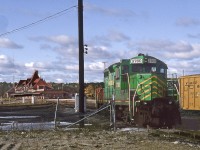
(125, 69)
(105, 74)
(162, 70)
(117, 73)
(153, 69)
(150, 68)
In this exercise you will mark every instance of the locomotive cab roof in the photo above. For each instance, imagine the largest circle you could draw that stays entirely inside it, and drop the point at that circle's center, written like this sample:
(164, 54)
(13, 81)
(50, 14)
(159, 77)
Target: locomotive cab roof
(140, 59)
(143, 59)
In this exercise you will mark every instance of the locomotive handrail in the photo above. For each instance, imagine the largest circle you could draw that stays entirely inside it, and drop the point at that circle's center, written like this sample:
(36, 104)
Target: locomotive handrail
(129, 97)
(134, 99)
(177, 89)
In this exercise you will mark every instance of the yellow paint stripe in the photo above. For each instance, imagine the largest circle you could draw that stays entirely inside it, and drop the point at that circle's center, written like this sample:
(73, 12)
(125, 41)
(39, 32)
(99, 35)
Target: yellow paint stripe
(151, 82)
(153, 88)
(156, 77)
(149, 85)
(146, 85)
(147, 79)
(144, 93)
(147, 96)
(160, 95)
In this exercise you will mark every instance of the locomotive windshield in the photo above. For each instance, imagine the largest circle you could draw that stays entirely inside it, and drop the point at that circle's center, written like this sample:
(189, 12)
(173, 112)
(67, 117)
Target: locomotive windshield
(148, 65)
(144, 68)
(147, 68)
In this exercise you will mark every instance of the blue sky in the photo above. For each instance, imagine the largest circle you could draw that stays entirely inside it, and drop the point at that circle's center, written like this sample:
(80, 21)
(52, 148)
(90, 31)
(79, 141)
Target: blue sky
(113, 30)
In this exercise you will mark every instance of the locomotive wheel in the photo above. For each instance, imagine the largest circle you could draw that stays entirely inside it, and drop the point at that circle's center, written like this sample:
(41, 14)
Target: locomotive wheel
(123, 114)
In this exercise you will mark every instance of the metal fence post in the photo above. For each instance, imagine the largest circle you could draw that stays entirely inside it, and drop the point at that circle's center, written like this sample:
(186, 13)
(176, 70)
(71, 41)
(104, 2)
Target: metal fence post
(55, 118)
(112, 113)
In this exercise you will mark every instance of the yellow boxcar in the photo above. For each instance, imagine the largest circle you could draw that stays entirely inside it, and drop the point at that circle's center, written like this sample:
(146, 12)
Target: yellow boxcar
(190, 92)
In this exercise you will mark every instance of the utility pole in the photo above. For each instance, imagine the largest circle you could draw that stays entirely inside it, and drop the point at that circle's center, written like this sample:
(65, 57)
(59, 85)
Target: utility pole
(104, 65)
(81, 56)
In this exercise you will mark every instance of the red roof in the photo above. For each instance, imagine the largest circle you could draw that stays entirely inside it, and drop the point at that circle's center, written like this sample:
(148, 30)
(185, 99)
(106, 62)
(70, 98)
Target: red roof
(35, 82)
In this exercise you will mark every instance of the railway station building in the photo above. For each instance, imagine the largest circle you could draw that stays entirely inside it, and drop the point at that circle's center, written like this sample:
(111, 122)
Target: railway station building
(35, 88)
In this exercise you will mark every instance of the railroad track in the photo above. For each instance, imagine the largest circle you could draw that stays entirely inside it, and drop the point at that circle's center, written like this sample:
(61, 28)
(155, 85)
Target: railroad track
(10, 146)
(189, 129)
(186, 137)
(71, 103)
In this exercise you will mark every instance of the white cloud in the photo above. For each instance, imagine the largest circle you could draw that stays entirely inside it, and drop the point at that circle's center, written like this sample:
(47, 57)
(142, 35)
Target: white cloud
(196, 36)
(110, 37)
(6, 43)
(7, 67)
(6, 62)
(63, 40)
(59, 80)
(96, 66)
(117, 36)
(67, 56)
(191, 51)
(66, 46)
(72, 67)
(166, 45)
(186, 22)
(110, 11)
(167, 49)
(31, 64)
(3, 59)
(42, 66)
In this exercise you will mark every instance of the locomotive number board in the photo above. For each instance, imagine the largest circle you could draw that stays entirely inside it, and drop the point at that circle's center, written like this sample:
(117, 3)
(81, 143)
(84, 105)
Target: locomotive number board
(152, 61)
(140, 61)
(136, 61)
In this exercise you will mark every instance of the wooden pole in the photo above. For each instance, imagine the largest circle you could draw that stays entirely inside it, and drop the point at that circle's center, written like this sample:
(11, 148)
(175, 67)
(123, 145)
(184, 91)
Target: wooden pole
(81, 56)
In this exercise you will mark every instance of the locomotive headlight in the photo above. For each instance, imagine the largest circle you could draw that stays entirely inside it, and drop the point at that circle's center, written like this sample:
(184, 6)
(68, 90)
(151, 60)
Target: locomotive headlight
(170, 102)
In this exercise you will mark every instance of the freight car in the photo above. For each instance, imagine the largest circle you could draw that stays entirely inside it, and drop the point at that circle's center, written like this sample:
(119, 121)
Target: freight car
(138, 87)
(189, 92)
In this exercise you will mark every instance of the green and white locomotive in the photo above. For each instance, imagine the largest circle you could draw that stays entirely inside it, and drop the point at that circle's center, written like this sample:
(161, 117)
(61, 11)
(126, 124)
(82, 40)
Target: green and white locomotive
(138, 87)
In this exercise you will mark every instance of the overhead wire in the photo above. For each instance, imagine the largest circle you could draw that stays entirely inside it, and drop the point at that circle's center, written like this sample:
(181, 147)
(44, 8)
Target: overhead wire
(37, 22)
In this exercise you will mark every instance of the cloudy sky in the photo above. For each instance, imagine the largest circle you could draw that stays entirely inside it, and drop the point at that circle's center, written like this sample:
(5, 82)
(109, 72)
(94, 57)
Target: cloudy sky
(113, 30)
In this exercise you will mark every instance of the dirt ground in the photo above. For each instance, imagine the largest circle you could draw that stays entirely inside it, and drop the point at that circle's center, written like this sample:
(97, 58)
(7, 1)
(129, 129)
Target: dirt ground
(92, 139)
(96, 134)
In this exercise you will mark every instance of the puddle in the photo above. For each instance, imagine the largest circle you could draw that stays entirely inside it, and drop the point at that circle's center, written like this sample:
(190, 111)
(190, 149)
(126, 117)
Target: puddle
(132, 129)
(30, 126)
(18, 117)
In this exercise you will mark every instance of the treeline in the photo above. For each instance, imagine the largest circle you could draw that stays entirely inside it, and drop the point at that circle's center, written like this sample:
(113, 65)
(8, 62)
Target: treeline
(74, 87)
(4, 87)
(68, 87)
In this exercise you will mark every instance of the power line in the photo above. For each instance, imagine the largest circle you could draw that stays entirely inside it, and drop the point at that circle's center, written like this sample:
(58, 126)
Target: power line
(37, 22)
